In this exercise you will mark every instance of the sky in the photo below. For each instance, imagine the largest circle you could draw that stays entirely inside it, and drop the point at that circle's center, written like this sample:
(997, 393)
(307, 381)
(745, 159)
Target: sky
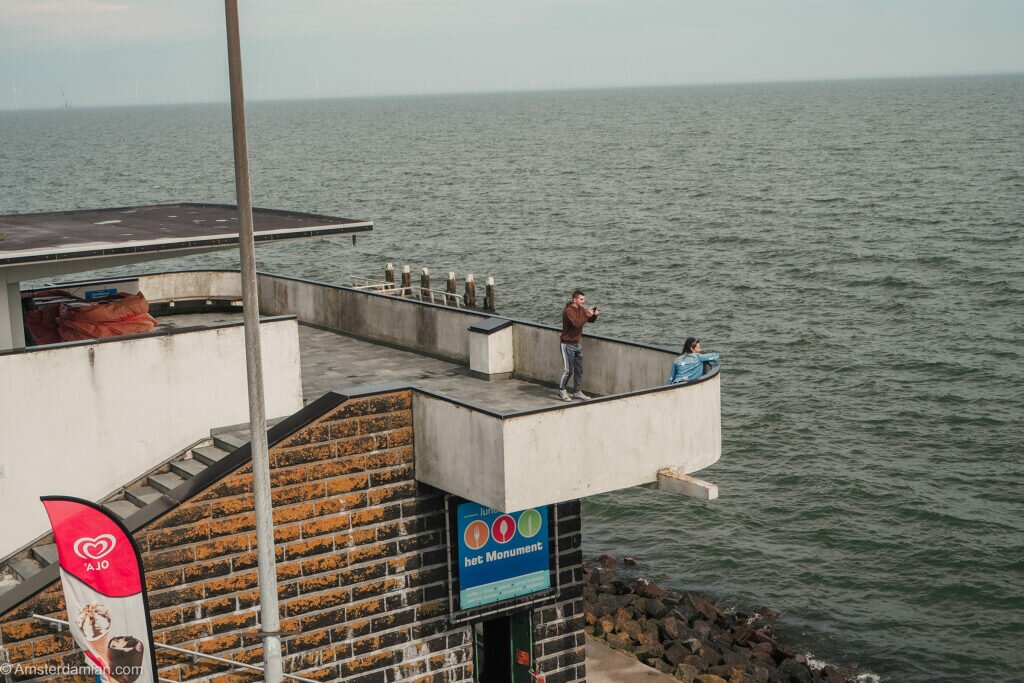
(123, 52)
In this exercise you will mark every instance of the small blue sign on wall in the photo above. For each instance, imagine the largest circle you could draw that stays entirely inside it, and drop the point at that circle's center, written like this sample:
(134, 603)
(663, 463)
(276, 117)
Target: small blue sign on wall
(100, 293)
(501, 555)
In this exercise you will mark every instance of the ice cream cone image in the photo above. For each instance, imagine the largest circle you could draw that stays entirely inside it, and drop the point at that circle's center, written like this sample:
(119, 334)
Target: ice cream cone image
(94, 623)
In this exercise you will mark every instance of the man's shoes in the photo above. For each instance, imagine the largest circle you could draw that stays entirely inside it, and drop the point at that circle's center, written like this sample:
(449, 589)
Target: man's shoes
(581, 396)
(564, 395)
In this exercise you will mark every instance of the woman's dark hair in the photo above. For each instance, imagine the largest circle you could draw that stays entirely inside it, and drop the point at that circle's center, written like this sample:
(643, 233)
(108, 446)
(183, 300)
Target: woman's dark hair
(690, 343)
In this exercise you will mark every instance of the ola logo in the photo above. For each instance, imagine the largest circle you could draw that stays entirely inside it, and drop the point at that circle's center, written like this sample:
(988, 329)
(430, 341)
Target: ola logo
(476, 535)
(529, 523)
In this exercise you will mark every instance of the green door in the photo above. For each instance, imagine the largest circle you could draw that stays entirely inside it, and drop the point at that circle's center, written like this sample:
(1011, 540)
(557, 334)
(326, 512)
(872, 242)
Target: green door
(521, 632)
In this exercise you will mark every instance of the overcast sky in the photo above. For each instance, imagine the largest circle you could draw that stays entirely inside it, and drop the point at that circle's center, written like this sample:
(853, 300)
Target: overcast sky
(112, 52)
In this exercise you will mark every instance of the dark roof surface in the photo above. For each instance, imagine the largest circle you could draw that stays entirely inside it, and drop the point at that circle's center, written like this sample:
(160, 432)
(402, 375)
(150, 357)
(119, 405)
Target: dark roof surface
(36, 237)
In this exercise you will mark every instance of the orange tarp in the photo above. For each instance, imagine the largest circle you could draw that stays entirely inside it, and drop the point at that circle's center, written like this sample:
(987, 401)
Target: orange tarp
(127, 314)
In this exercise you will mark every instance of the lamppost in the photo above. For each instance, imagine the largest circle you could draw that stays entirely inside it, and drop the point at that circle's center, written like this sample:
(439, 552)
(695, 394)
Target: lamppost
(270, 619)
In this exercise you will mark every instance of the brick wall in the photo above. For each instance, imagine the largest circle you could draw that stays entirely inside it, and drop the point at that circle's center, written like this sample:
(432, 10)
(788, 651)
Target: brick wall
(361, 563)
(558, 637)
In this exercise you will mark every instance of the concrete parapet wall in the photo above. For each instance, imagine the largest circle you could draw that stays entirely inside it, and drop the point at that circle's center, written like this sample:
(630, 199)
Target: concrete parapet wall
(434, 330)
(609, 366)
(111, 411)
(602, 446)
(513, 462)
(191, 285)
(461, 450)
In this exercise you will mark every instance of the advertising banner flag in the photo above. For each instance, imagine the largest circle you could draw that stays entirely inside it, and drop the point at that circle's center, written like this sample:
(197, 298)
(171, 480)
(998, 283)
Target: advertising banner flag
(104, 590)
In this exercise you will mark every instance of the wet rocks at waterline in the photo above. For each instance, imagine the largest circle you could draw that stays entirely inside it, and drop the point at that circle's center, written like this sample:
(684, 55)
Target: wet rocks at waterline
(687, 635)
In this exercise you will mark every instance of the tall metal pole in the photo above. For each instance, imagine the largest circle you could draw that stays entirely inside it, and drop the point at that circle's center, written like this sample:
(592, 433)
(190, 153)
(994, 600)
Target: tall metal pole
(270, 619)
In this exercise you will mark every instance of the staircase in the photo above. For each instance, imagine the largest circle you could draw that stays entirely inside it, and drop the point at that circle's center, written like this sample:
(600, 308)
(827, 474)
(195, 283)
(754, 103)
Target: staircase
(42, 553)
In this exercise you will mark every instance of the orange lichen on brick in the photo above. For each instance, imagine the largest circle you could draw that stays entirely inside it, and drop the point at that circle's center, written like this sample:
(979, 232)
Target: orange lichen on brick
(325, 525)
(224, 546)
(295, 513)
(233, 505)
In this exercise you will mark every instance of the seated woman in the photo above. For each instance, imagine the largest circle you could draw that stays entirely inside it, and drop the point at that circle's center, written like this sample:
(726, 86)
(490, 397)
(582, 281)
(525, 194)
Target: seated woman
(690, 365)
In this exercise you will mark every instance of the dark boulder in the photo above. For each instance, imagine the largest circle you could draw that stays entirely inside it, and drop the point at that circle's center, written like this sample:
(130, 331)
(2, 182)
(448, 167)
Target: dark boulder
(686, 673)
(793, 671)
(706, 607)
(618, 641)
(743, 633)
(605, 605)
(832, 675)
(702, 629)
(670, 629)
(697, 662)
(676, 653)
(721, 635)
(646, 589)
(632, 629)
(656, 608)
(662, 666)
(685, 612)
(782, 652)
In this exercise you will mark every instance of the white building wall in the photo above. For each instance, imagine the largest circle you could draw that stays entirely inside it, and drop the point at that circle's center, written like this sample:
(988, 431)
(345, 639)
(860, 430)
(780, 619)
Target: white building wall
(85, 419)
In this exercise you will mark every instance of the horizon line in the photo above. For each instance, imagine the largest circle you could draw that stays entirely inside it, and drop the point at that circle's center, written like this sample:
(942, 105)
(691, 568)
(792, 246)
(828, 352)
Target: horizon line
(591, 88)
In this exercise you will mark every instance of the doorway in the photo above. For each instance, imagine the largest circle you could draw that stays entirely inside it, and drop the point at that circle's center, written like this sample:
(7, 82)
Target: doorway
(503, 649)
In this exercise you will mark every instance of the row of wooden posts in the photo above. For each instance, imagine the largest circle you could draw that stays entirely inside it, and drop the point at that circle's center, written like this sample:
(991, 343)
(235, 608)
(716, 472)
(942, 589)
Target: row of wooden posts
(451, 288)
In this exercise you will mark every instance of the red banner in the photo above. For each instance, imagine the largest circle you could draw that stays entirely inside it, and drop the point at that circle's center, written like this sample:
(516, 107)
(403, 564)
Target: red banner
(104, 589)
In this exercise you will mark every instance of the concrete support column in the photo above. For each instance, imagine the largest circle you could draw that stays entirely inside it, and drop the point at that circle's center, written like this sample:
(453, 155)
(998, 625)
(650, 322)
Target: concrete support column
(12, 329)
(490, 349)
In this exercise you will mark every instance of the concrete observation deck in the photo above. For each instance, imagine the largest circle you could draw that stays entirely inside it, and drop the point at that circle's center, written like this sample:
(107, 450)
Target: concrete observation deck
(487, 423)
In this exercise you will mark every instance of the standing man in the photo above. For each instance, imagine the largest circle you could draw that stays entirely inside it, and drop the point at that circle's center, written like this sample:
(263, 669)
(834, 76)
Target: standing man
(574, 317)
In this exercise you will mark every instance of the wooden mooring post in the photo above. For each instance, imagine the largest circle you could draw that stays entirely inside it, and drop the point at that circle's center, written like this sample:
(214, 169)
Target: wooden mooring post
(425, 285)
(389, 273)
(489, 295)
(470, 300)
(406, 281)
(451, 288)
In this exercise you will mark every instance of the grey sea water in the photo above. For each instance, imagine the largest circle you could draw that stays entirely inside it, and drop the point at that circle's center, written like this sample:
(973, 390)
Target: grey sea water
(854, 251)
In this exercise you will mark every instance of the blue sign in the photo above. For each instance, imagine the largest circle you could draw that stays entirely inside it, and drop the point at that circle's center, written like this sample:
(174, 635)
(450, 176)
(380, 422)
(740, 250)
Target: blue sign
(100, 293)
(501, 555)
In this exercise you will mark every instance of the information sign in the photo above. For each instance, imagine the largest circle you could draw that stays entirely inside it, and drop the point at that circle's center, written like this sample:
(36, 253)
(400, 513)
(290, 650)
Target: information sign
(501, 555)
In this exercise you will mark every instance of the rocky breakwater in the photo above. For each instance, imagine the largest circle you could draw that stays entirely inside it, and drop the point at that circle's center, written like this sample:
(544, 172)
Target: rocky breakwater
(687, 635)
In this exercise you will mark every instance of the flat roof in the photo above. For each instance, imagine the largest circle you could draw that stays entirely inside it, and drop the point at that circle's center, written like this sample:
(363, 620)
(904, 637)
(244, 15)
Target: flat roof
(42, 237)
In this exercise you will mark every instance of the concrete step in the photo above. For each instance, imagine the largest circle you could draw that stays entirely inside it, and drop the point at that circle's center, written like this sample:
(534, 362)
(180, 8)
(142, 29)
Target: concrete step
(230, 441)
(142, 496)
(8, 579)
(25, 567)
(166, 482)
(235, 436)
(186, 469)
(46, 554)
(210, 455)
(122, 508)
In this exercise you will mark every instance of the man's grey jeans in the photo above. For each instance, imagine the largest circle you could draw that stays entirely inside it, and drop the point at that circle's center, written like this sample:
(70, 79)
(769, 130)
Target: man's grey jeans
(572, 359)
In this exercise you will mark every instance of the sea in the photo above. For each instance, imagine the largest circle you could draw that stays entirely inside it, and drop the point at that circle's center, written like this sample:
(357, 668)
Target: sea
(854, 250)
